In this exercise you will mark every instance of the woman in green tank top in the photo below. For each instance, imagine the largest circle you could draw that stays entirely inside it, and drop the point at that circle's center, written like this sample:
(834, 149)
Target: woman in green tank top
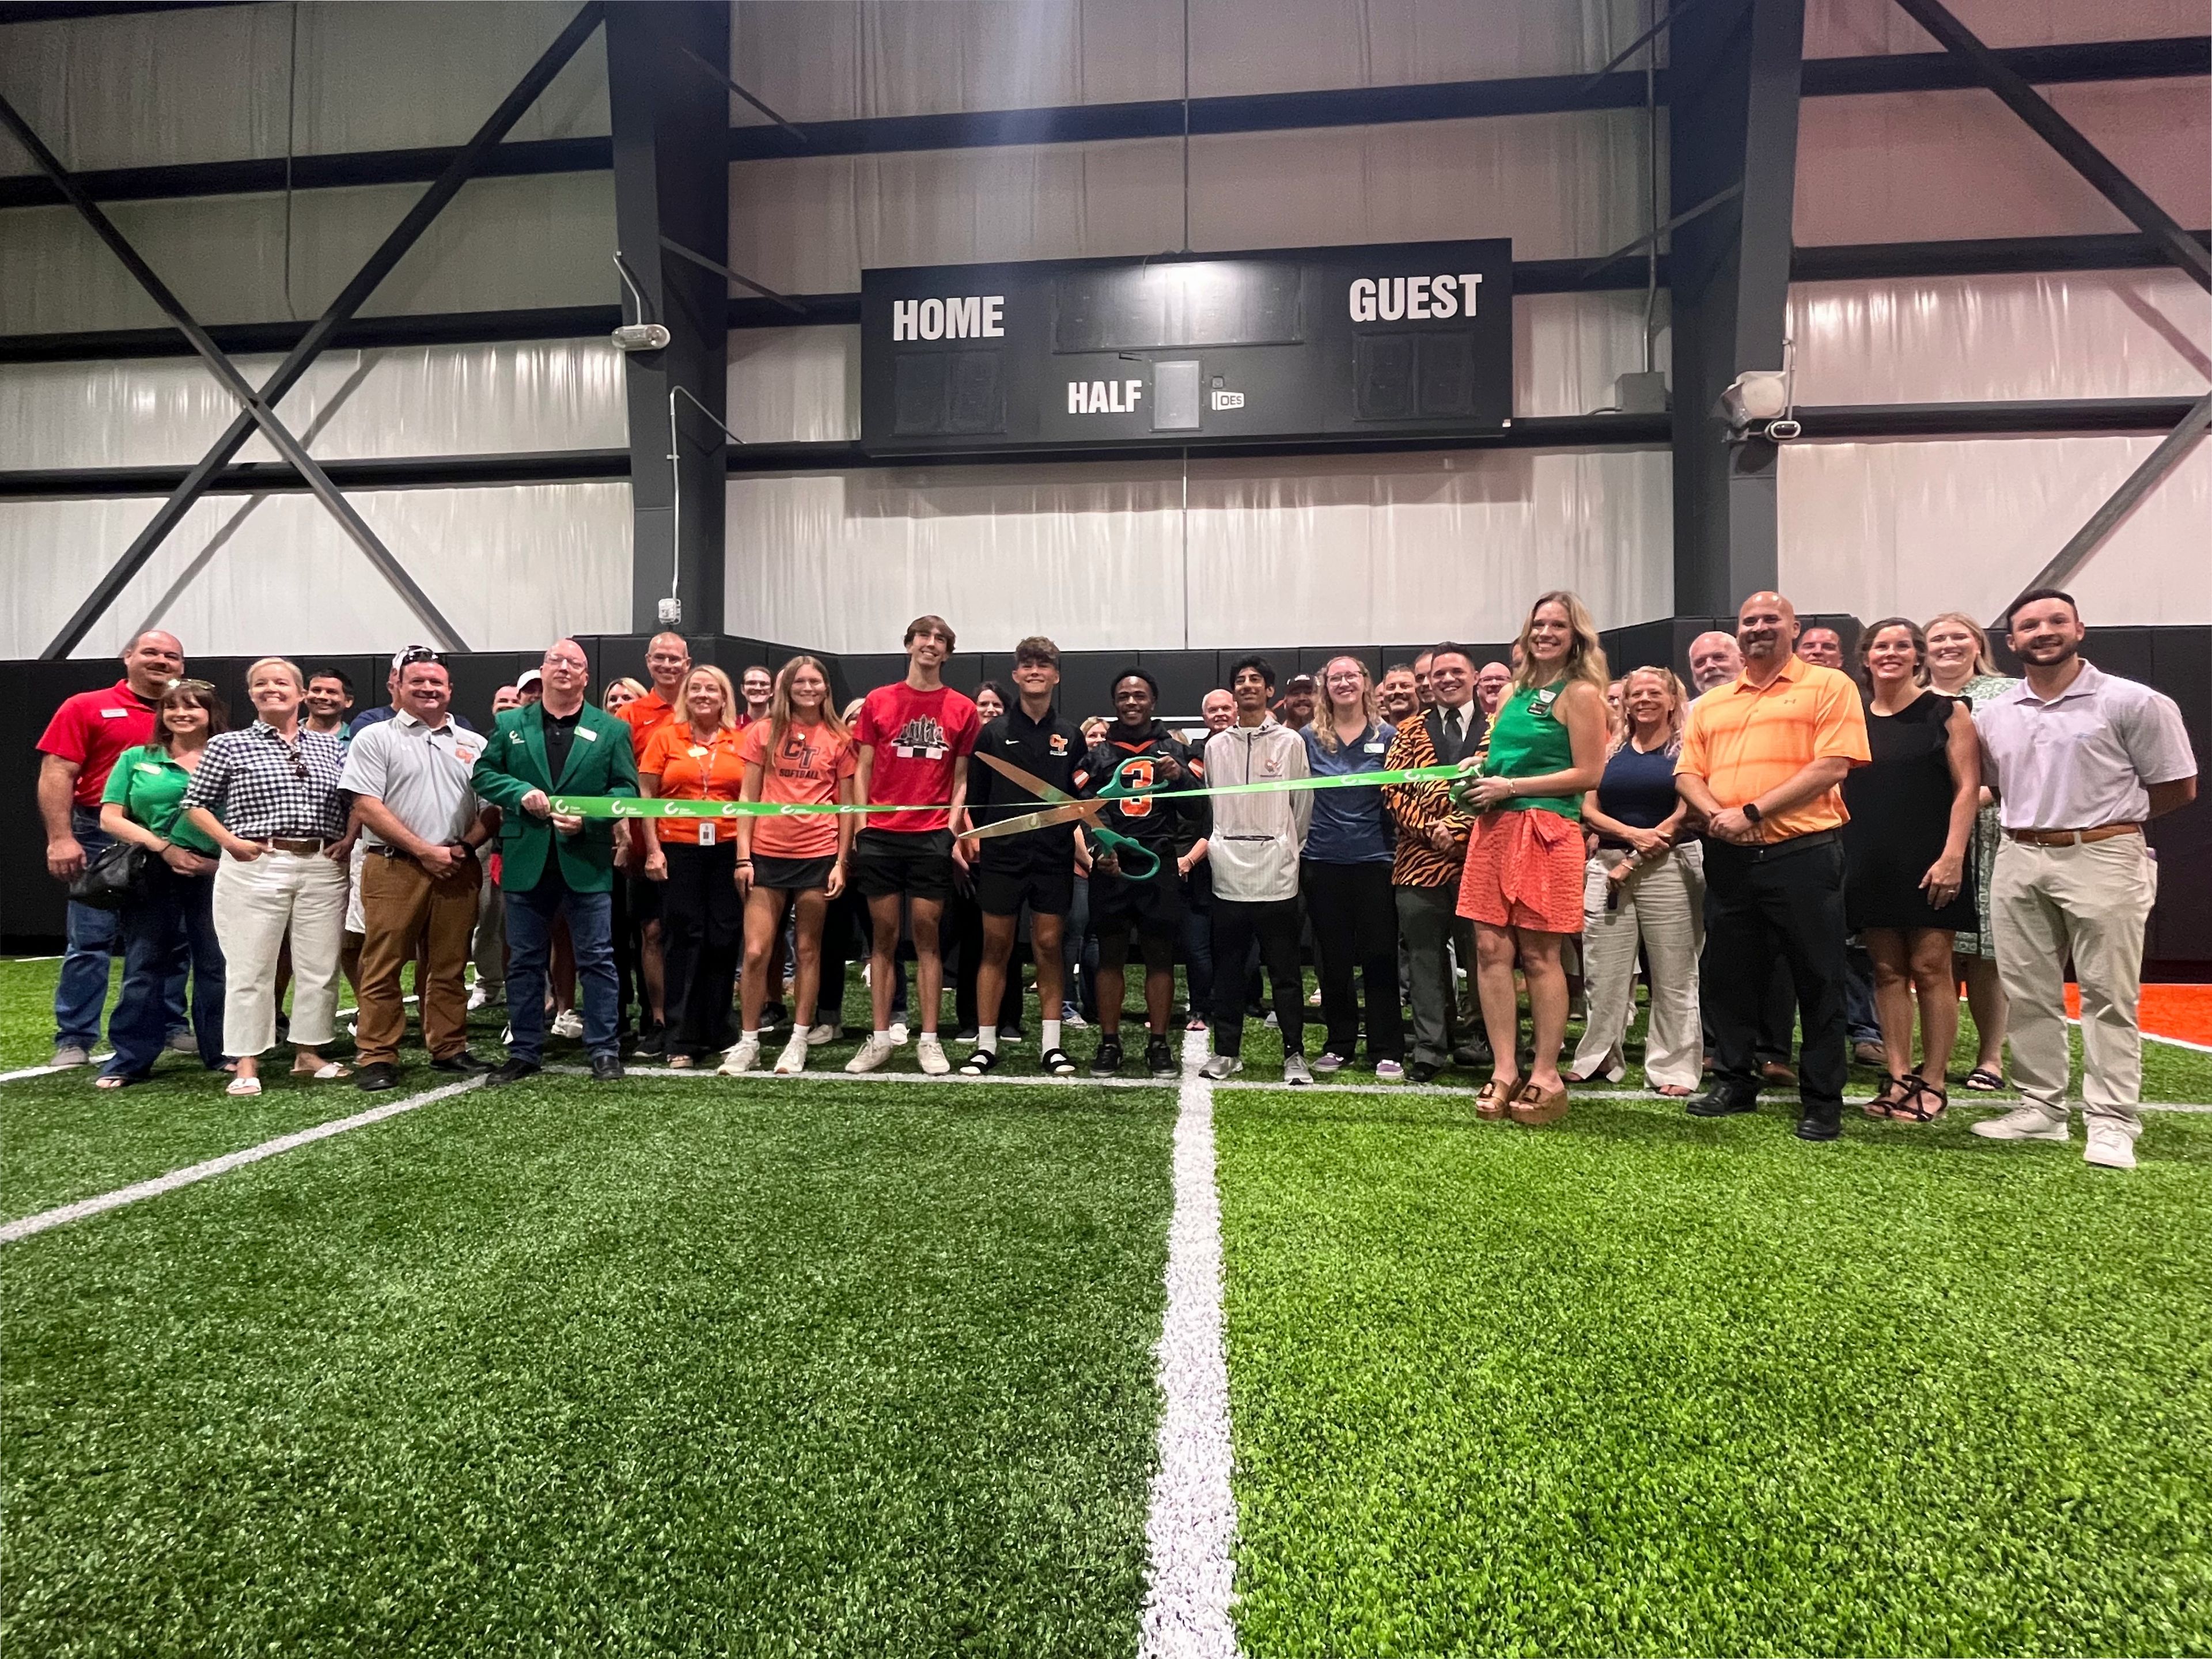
(1522, 887)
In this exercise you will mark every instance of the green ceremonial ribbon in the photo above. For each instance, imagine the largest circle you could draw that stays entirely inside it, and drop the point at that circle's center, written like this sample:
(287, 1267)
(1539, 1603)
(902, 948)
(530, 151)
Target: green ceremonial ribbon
(633, 806)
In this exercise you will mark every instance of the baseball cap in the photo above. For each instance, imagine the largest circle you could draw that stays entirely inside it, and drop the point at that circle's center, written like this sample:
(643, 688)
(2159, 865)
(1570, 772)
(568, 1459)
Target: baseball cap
(1300, 683)
(529, 676)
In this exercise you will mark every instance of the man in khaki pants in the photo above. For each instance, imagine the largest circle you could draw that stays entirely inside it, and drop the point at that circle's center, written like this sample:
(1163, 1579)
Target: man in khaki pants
(422, 826)
(2080, 761)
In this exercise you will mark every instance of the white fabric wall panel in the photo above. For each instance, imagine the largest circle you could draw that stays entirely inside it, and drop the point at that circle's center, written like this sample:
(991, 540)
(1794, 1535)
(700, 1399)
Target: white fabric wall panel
(545, 240)
(1936, 166)
(1856, 29)
(803, 384)
(1910, 527)
(512, 565)
(1959, 339)
(213, 84)
(818, 62)
(1560, 186)
(1362, 550)
(412, 400)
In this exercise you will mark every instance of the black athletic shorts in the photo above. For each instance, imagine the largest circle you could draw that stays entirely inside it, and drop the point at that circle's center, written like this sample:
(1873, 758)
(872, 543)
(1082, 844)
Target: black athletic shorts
(791, 875)
(1046, 885)
(892, 862)
(1153, 907)
(644, 899)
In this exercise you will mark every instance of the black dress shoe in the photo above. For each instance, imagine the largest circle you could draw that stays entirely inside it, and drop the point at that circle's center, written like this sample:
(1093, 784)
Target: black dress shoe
(1723, 1103)
(1811, 1128)
(512, 1071)
(606, 1068)
(1423, 1071)
(464, 1063)
(377, 1075)
(1472, 1056)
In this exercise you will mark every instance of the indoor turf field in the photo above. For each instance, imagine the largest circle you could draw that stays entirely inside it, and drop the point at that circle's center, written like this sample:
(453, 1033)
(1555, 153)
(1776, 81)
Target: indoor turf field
(868, 1366)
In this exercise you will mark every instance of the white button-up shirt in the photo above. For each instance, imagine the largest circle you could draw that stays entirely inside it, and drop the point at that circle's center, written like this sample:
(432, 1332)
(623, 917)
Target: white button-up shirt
(2085, 758)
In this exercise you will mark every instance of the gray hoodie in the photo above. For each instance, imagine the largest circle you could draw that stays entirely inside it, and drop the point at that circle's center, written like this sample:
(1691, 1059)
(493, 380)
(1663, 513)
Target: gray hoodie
(1253, 848)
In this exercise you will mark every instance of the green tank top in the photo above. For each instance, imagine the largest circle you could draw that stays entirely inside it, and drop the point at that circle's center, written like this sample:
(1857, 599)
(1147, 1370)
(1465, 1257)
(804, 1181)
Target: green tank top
(1528, 739)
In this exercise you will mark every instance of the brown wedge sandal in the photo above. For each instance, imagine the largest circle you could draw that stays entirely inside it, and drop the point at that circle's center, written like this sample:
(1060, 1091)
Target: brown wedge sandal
(1494, 1099)
(1533, 1107)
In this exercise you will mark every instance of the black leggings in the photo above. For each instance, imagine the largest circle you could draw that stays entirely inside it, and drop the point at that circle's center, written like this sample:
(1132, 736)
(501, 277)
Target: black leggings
(1275, 924)
(703, 930)
(1355, 925)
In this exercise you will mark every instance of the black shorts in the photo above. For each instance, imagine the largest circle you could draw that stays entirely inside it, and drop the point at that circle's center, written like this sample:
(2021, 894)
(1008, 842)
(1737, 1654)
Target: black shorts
(791, 875)
(1046, 886)
(1154, 907)
(644, 897)
(890, 863)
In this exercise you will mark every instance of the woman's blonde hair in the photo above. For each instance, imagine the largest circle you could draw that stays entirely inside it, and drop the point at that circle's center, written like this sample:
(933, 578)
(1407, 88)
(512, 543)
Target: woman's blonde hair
(285, 663)
(779, 707)
(730, 704)
(1678, 710)
(1982, 662)
(622, 683)
(1324, 726)
(1585, 656)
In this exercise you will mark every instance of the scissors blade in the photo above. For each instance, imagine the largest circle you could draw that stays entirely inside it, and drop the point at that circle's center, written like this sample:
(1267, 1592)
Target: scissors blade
(1070, 813)
(1029, 781)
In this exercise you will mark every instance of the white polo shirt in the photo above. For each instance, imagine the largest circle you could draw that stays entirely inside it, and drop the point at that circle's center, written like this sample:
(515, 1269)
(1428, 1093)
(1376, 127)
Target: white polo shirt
(421, 772)
(2085, 758)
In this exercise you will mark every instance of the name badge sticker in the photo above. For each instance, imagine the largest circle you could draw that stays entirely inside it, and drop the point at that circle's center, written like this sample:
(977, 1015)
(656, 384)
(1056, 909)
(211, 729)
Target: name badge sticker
(148, 767)
(1379, 748)
(697, 750)
(115, 713)
(587, 736)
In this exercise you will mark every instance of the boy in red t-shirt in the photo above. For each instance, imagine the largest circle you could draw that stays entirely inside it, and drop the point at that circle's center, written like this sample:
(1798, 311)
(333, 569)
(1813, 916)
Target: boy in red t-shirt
(914, 739)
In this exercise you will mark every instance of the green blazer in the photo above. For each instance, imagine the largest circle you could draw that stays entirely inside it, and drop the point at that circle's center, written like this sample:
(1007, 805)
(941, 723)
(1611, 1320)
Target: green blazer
(513, 764)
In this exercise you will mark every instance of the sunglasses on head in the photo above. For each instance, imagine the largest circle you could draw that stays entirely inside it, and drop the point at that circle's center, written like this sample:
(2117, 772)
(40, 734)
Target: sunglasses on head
(419, 653)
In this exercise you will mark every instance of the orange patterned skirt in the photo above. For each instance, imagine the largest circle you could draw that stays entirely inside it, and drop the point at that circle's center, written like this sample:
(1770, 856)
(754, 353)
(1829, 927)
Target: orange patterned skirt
(1524, 869)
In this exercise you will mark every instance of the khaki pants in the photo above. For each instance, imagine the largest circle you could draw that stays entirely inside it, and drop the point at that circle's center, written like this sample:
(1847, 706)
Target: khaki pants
(404, 908)
(257, 905)
(1662, 905)
(2089, 902)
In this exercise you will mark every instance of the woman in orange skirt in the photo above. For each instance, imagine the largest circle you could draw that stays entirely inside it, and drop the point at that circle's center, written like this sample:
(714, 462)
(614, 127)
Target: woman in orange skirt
(1522, 887)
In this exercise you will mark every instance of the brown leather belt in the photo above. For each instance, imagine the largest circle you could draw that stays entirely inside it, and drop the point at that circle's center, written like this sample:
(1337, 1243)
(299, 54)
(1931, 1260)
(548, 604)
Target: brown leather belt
(2072, 837)
(306, 849)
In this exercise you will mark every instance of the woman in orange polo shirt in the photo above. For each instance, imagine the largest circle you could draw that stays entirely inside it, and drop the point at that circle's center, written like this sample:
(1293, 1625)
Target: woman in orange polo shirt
(696, 757)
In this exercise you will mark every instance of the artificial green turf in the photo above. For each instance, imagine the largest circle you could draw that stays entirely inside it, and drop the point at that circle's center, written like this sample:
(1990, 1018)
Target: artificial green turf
(1638, 1384)
(659, 1368)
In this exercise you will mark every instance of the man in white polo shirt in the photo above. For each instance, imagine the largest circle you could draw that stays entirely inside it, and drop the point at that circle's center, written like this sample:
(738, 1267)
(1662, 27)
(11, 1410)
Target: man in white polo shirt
(2080, 761)
(422, 826)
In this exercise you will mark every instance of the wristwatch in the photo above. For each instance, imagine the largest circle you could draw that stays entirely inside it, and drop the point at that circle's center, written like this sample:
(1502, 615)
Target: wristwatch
(1751, 810)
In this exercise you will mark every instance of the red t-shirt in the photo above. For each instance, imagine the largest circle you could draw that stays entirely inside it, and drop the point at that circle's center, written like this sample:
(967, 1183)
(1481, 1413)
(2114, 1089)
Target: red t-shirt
(92, 729)
(805, 771)
(921, 738)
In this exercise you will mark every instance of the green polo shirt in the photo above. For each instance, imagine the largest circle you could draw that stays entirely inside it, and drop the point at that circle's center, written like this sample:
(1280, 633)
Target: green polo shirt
(149, 784)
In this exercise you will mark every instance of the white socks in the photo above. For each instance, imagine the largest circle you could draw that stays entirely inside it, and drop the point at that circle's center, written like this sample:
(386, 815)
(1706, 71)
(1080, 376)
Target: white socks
(1051, 1034)
(986, 1039)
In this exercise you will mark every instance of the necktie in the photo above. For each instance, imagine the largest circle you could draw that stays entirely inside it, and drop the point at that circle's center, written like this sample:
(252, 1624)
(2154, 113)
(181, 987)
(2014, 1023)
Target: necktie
(1451, 731)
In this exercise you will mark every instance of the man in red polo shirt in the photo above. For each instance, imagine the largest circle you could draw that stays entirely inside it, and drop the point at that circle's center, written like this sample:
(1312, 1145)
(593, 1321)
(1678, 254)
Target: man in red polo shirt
(85, 734)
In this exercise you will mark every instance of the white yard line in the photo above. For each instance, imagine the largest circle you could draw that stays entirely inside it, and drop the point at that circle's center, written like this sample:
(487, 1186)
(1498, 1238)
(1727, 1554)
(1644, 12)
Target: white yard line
(1191, 1530)
(36, 1071)
(215, 1166)
(2152, 1036)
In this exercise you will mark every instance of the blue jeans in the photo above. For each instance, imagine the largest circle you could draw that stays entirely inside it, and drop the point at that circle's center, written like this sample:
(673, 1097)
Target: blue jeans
(178, 915)
(1197, 950)
(82, 993)
(531, 914)
(1859, 1021)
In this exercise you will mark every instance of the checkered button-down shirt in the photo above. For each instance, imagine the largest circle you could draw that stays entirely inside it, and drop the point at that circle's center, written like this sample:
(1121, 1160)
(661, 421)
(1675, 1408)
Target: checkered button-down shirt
(262, 787)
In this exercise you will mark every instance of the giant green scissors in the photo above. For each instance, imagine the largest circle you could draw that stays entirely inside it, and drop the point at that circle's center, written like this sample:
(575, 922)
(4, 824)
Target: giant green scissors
(1138, 862)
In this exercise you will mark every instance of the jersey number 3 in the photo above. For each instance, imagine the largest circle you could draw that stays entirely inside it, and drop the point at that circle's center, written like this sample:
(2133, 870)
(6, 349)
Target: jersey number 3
(1137, 775)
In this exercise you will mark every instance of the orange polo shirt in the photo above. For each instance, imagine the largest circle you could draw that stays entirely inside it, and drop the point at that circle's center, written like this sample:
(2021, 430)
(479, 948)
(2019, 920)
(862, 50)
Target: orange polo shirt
(1743, 739)
(644, 716)
(691, 770)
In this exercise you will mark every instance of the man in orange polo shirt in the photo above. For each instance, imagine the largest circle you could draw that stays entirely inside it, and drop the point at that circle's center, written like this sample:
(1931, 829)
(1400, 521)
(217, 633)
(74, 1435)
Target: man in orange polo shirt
(668, 662)
(1763, 762)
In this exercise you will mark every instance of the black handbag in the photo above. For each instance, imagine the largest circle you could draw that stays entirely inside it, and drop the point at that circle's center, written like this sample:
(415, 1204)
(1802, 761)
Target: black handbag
(117, 877)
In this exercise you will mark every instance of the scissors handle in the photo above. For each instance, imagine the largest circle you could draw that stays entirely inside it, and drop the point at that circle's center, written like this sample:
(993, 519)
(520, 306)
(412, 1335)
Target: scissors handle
(1139, 861)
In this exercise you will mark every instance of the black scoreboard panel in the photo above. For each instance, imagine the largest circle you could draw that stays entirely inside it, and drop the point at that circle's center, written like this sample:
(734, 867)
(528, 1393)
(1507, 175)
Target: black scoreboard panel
(1401, 338)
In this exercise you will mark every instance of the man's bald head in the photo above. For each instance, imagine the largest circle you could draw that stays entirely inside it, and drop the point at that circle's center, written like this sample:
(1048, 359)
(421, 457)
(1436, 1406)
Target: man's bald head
(1767, 627)
(667, 661)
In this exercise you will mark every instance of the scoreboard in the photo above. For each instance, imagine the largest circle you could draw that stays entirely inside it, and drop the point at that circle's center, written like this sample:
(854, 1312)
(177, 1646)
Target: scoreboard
(1398, 340)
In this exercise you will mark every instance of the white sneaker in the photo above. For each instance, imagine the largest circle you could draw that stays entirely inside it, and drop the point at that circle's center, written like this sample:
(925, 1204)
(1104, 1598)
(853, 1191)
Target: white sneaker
(744, 1055)
(2023, 1123)
(480, 998)
(931, 1054)
(793, 1060)
(2110, 1146)
(818, 1035)
(506, 1036)
(873, 1053)
(1219, 1067)
(1072, 1017)
(568, 1024)
(898, 1033)
(1295, 1072)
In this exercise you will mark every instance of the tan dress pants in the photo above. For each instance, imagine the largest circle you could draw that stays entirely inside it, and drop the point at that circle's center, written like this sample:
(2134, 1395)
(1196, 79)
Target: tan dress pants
(405, 909)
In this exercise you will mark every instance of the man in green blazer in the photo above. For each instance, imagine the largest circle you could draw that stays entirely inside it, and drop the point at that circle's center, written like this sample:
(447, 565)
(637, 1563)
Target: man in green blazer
(555, 864)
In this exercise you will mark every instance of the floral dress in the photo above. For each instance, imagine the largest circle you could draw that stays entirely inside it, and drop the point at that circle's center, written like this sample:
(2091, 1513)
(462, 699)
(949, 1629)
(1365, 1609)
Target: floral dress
(1983, 942)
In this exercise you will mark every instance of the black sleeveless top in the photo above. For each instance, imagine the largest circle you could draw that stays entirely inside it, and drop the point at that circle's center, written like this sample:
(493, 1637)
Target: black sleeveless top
(1900, 808)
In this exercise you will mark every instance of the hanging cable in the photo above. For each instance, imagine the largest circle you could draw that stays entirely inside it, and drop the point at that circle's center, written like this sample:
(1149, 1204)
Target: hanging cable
(1186, 126)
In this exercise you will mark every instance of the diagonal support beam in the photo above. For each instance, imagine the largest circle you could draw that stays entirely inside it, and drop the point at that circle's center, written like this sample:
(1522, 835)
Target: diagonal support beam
(2139, 483)
(319, 337)
(224, 370)
(2084, 157)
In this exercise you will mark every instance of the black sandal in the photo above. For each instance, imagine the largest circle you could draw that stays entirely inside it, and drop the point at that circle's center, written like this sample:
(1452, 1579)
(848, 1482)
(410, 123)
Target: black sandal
(1984, 1081)
(1894, 1092)
(980, 1063)
(1910, 1108)
(1057, 1062)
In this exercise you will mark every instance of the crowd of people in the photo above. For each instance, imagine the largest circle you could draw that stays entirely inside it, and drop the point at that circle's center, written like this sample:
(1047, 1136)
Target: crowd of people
(1802, 863)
